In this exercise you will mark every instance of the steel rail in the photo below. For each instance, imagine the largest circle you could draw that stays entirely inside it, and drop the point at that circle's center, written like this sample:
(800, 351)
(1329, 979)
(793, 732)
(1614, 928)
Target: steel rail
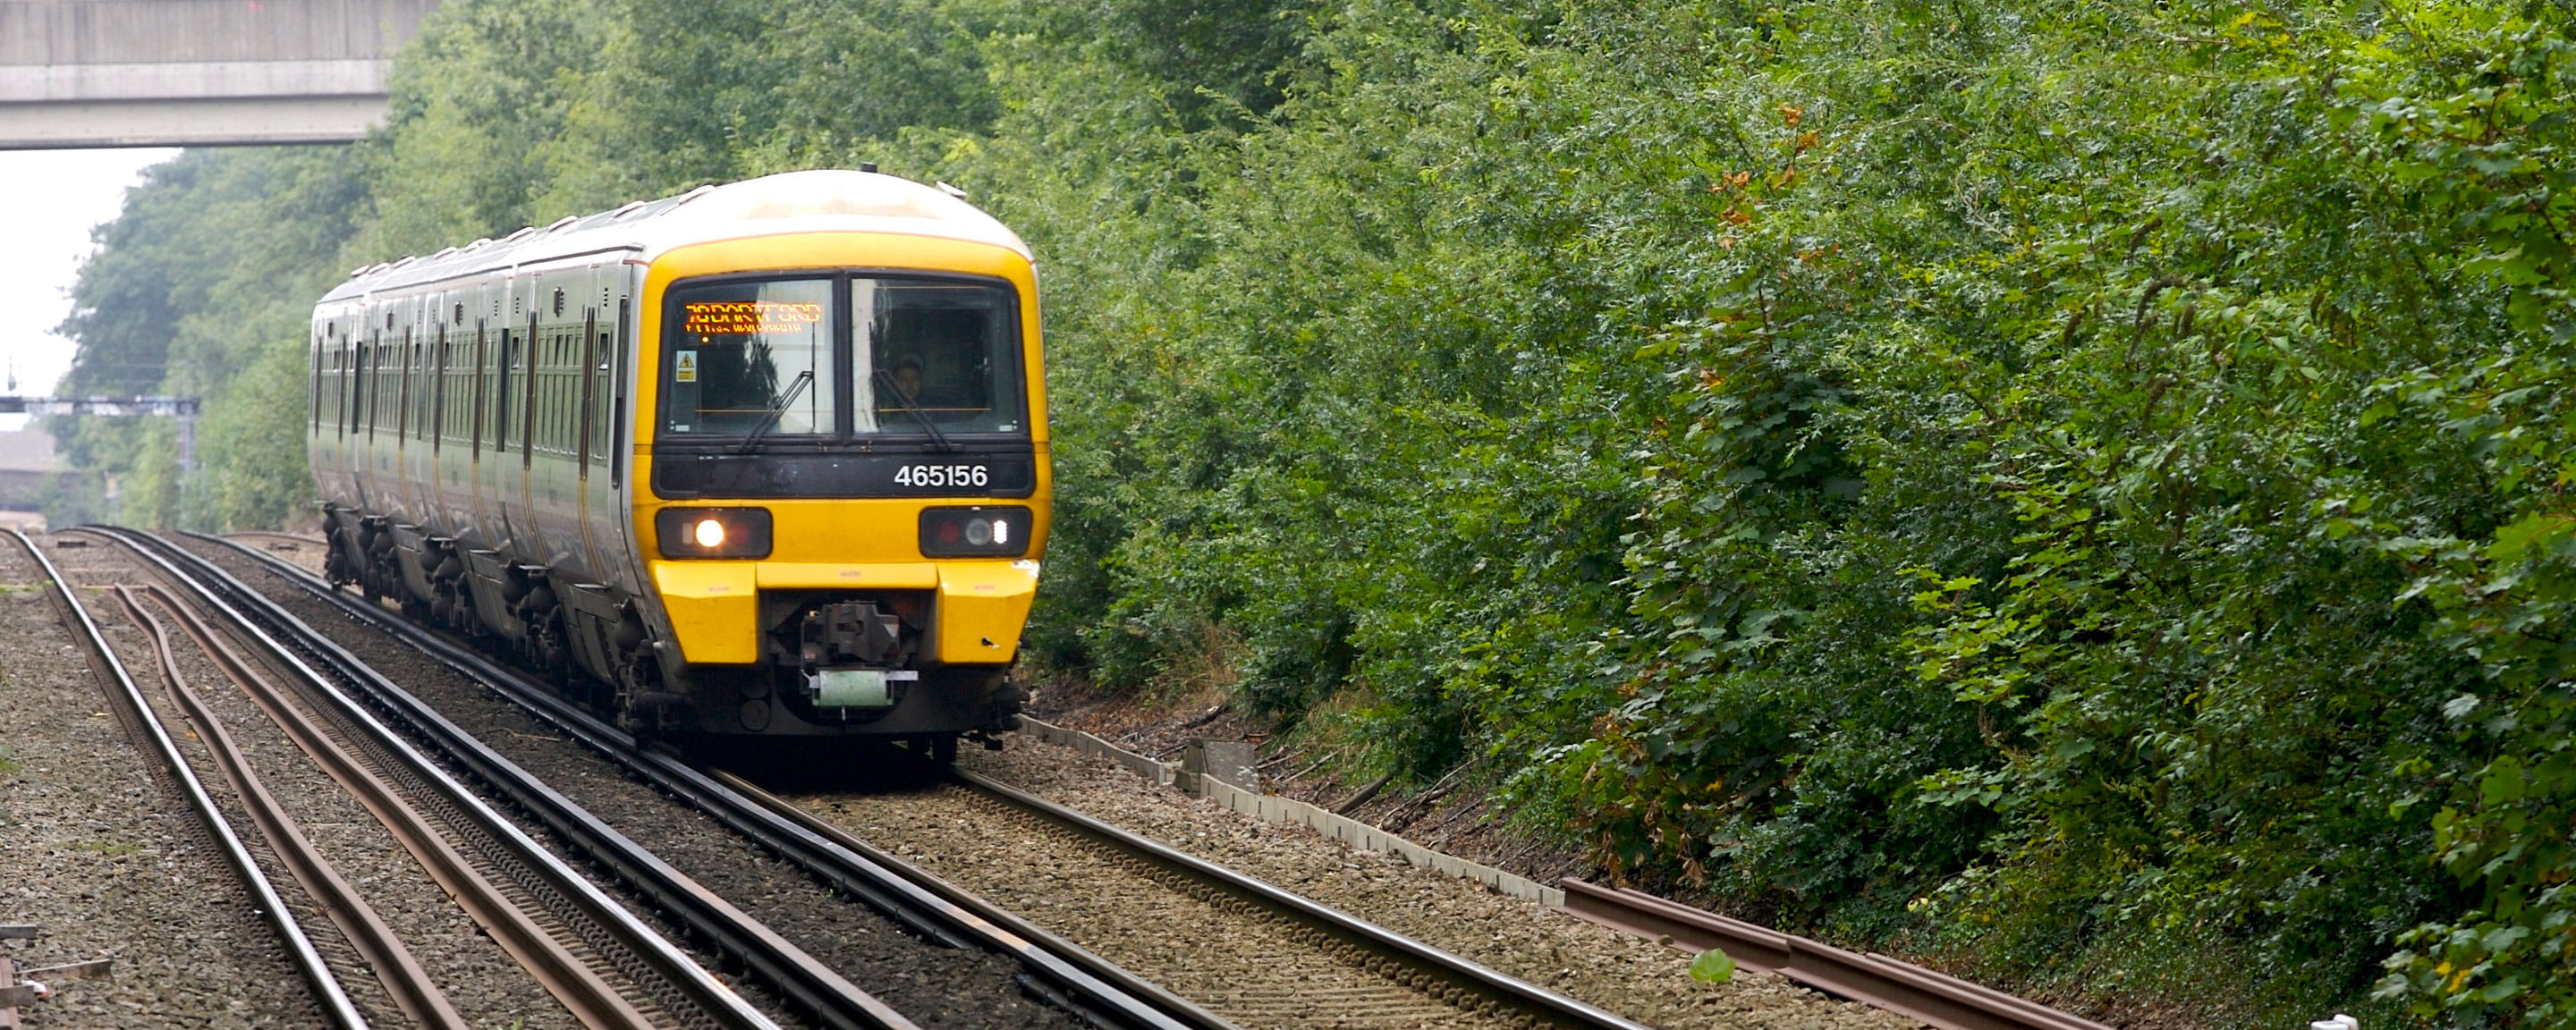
(1182, 1009)
(229, 597)
(333, 999)
(1941, 1000)
(308, 541)
(1059, 978)
(803, 980)
(402, 975)
(563, 974)
(1514, 994)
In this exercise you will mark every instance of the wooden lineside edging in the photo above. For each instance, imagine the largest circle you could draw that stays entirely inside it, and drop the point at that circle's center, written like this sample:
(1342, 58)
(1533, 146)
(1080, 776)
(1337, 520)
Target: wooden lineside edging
(1271, 808)
(1939, 999)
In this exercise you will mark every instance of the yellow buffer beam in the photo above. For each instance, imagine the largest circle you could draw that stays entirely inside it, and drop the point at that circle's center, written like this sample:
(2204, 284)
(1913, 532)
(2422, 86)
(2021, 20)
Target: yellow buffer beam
(982, 606)
(714, 609)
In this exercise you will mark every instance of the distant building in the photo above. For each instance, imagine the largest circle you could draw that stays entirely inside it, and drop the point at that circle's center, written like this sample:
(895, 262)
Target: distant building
(27, 466)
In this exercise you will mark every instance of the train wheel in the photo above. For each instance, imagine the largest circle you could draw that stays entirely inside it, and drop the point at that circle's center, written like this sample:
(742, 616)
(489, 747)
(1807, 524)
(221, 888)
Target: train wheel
(943, 748)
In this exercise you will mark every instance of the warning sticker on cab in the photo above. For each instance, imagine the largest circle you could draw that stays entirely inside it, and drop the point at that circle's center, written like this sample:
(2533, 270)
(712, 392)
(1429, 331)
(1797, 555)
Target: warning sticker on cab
(684, 368)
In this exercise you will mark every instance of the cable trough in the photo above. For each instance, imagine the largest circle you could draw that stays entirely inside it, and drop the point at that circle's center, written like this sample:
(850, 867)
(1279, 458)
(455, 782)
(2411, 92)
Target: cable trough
(1067, 980)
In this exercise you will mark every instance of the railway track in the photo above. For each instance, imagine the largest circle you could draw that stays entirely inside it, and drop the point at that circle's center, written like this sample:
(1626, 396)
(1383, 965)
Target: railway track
(1897, 986)
(607, 968)
(806, 982)
(1099, 995)
(143, 724)
(1281, 960)
(1317, 967)
(404, 979)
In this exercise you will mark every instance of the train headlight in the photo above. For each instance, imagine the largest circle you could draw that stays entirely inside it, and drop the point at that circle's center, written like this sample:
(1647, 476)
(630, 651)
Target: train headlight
(712, 532)
(978, 532)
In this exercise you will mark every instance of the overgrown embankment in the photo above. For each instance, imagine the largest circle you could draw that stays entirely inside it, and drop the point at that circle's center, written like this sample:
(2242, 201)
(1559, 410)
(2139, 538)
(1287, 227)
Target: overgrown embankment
(2078, 486)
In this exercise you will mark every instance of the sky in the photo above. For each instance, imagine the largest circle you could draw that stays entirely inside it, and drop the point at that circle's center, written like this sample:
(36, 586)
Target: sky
(63, 194)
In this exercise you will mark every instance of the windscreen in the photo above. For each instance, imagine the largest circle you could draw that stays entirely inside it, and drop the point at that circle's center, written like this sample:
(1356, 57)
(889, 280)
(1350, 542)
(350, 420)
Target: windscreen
(942, 353)
(764, 357)
(751, 357)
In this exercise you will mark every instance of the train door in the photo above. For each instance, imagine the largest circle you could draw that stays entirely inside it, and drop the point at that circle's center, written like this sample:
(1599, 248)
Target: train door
(502, 464)
(622, 404)
(598, 392)
(521, 474)
(407, 445)
(479, 417)
(362, 425)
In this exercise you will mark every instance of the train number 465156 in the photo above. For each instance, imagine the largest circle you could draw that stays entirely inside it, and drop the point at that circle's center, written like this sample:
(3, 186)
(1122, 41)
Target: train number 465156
(942, 475)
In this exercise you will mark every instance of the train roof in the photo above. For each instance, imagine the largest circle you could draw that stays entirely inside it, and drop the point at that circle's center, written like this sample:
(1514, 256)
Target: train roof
(823, 200)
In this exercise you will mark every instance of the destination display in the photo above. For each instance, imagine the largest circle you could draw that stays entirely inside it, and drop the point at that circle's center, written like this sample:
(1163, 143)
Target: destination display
(749, 318)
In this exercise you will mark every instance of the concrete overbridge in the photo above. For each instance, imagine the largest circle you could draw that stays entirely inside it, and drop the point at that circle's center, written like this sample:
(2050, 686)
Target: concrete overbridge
(157, 73)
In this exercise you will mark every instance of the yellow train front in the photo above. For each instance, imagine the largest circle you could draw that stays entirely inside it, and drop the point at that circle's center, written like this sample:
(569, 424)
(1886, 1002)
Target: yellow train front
(765, 458)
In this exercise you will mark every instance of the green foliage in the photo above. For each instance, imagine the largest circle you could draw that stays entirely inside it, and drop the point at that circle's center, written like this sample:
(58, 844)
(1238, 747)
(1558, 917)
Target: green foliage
(204, 288)
(2075, 485)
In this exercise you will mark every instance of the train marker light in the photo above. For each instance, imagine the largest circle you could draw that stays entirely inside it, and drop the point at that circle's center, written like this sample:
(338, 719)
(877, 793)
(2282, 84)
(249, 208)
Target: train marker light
(713, 532)
(998, 531)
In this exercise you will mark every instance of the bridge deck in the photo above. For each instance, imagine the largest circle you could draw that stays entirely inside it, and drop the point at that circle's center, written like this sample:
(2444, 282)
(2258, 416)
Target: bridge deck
(109, 73)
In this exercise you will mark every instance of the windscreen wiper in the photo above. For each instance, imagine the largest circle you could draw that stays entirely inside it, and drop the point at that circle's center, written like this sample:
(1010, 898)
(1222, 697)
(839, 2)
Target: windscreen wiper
(938, 438)
(771, 419)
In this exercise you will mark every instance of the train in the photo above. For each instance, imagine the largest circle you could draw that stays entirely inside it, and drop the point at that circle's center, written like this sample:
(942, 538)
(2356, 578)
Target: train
(765, 459)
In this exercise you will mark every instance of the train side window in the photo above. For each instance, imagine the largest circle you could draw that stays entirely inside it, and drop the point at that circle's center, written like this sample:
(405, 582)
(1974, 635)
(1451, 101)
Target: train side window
(402, 389)
(330, 394)
(415, 410)
(570, 384)
(313, 404)
(528, 404)
(541, 401)
(568, 396)
(345, 403)
(618, 414)
(482, 382)
(589, 386)
(361, 408)
(425, 398)
(563, 395)
(540, 404)
(596, 371)
(438, 393)
(379, 354)
(388, 410)
(501, 396)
